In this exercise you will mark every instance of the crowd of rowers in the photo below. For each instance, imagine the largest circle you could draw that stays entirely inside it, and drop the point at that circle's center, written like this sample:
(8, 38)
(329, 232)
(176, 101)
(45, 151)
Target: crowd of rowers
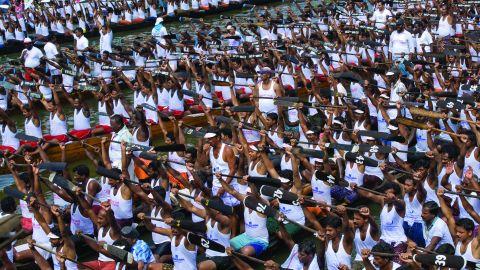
(61, 18)
(384, 121)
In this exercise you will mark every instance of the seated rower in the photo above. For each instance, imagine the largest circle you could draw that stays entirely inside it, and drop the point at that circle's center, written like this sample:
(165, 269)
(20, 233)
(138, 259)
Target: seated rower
(81, 118)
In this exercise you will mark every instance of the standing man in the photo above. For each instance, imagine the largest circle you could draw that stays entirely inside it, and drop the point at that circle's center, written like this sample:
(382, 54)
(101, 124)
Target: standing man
(401, 42)
(159, 31)
(80, 42)
(120, 134)
(30, 57)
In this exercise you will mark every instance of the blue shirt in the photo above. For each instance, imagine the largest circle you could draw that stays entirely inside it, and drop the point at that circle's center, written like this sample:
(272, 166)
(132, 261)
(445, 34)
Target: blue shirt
(141, 252)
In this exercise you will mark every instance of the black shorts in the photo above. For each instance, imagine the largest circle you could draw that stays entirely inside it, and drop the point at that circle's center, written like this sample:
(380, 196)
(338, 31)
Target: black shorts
(221, 262)
(163, 249)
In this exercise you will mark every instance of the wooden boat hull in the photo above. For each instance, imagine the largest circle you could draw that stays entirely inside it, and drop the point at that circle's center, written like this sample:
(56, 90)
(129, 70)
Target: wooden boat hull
(75, 151)
(17, 47)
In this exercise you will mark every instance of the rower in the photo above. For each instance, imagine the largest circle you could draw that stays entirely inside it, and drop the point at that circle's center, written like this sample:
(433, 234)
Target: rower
(57, 119)
(267, 90)
(8, 131)
(33, 127)
(89, 185)
(104, 113)
(366, 232)
(162, 210)
(391, 216)
(120, 105)
(255, 239)
(381, 262)
(159, 31)
(218, 230)
(81, 118)
(222, 160)
(61, 241)
(436, 230)
(108, 232)
(338, 240)
(466, 243)
(143, 259)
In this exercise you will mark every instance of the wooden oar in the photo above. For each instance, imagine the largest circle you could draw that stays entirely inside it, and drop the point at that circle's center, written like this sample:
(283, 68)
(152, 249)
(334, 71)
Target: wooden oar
(113, 175)
(439, 115)
(55, 253)
(411, 123)
(292, 198)
(17, 194)
(462, 194)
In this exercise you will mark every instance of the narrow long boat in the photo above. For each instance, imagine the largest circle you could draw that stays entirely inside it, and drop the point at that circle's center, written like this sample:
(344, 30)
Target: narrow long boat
(75, 151)
(17, 47)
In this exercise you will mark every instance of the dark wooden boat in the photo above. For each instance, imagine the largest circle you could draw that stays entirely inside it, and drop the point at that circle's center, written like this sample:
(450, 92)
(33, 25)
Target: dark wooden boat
(10, 48)
(75, 151)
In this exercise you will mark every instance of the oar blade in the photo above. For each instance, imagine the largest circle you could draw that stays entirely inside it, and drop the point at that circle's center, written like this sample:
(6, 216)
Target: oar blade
(278, 193)
(148, 156)
(53, 166)
(15, 193)
(449, 261)
(119, 253)
(189, 225)
(359, 159)
(108, 173)
(63, 183)
(219, 206)
(259, 181)
(170, 148)
(243, 108)
(262, 208)
(204, 242)
(25, 137)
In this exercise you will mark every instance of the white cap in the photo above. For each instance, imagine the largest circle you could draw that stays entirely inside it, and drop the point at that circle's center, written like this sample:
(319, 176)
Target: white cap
(384, 96)
(392, 127)
(209, 135)
(389, 73)
(229, 27)
(359, 111)
(335, 121)
(315, 160)
(368, 138)
(253, 147)
(159, 21)
(309, 132)
(52, 236)
(27, 40)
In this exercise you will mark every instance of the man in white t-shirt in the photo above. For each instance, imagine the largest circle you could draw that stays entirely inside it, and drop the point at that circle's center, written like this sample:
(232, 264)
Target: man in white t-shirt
(423, 38)
(31, 55)
(31, 58)
(159, 31)
(401, 42)
(435, 230)
(381, 15)
(81, 42)
(51, 52)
